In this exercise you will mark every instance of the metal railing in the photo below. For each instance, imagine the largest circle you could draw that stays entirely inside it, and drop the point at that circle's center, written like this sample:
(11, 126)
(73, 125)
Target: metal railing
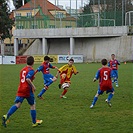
(129, 18)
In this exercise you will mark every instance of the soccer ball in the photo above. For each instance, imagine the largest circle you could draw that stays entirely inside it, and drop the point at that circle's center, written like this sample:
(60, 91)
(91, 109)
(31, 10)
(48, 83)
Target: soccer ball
(65, 85)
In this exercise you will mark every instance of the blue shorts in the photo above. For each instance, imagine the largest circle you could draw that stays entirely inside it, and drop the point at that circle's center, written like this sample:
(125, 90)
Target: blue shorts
(30, 100)
(114, 73)
(47, 78)
(101, 92)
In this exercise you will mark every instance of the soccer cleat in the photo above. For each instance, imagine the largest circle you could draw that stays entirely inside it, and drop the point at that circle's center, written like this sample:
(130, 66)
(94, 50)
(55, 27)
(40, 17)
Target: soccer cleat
(91, 106)
(40, 97)
(63, 96)
(59, 86)
(108, 102)
(117, 85)
(38, 122)
(4, 119)
(35, 125)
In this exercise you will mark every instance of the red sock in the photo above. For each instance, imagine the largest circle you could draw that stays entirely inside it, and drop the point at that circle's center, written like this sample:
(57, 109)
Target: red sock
(64, 92)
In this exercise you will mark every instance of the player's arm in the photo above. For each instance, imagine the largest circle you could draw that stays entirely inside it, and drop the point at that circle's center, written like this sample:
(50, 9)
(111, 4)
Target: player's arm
(109, 64)
(75, 70)
(118, 62)
(96, 76)
(57, 74)
(29, 77)
(53, 67)
(40, 68)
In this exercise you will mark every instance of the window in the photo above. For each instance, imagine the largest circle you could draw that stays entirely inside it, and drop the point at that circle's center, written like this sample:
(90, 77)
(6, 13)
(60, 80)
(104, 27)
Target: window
(34, 26)
(29, 14)
(59, 15)
(18, 15)
(19, 42)
(68, 26)
(20, 27)
(51, 26)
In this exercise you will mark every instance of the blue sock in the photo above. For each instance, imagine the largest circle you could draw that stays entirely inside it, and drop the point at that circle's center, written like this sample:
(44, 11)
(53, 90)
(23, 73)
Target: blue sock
(11, 111)
(94, 100)
(33, 116)
(110, 96)
(49, 83)
(42, 92)
(116, 82)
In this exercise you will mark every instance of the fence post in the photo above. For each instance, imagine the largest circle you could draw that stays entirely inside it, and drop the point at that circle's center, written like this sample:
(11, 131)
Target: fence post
(98, 20)
(129, 18)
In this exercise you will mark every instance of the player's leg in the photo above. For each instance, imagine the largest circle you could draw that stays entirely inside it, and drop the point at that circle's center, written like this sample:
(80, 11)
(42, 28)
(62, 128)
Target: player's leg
(99, 92)
(110, 96)
(31, 102)
(43, 89)
(65, 86)
(62, 79)
(51, 79)
(113, 76)
(48, 80)
(18, 102)
(116, 78)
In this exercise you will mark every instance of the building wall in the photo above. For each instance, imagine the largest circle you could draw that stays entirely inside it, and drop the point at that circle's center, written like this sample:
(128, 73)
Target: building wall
(93, 49)
(24, 12)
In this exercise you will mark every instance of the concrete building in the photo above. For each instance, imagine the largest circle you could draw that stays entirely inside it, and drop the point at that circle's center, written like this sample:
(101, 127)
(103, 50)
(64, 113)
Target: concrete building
(93, 43)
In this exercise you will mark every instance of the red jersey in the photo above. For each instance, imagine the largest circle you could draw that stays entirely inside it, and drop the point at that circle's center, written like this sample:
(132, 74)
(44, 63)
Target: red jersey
(24, 88)
(104, 75)
(114, 64)
(45, 68)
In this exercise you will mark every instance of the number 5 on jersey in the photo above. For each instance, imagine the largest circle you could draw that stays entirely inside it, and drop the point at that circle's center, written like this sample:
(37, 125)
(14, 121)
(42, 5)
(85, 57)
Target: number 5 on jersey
(105, 75)
(23, 77)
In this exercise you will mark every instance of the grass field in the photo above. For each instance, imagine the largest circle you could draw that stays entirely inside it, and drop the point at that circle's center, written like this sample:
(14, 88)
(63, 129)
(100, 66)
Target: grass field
(71, 115)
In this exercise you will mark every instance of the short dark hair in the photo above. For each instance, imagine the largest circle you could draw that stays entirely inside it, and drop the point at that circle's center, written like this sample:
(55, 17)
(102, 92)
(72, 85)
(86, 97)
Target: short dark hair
(30, 60)
(46, 58)
(112, 54)
(104, 62)
(71, 59)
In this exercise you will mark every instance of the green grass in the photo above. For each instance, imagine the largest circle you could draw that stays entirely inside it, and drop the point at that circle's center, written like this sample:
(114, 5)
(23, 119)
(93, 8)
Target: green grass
(71, 115)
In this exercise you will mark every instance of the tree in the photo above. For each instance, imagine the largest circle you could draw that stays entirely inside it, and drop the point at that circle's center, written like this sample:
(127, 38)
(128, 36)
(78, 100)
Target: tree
(84, 19)
(113, 4)
(5, 22)
(110, 10)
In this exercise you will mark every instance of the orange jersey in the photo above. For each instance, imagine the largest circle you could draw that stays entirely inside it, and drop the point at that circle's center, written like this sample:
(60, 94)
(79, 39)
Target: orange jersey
(68, 70)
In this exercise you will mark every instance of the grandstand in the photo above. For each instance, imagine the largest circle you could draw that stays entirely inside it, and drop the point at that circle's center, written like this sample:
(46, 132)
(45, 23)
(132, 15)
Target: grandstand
(100, 26)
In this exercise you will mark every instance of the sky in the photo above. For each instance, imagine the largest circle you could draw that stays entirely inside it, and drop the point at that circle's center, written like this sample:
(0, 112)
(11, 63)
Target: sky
(10, 2)
(67, 3)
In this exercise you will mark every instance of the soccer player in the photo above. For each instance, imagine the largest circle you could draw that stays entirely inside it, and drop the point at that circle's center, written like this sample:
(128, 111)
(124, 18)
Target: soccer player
(25, 91)
(105, 83)
(48, 78)
(113, 64)
(66, 72)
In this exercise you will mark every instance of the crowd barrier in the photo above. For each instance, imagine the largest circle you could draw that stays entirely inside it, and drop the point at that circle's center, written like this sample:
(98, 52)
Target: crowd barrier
(40, 58)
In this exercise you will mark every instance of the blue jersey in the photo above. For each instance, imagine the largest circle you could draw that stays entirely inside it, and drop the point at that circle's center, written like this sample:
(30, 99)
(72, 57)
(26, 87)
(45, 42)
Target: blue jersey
(113, 64)
(44, 68)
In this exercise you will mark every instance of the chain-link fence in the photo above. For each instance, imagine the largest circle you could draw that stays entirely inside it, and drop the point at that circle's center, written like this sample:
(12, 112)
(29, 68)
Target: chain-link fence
(37, 14)
(129, 18)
